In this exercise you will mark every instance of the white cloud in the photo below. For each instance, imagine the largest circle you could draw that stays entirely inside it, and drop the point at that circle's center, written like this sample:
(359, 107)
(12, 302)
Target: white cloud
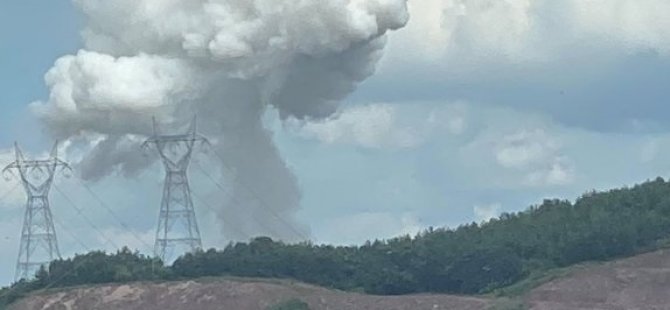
(524, 148)
(464, 34)
(393, 126)
(536, 154)
(558, 172)
(449, 118)
(512, 150)
(484, 213)
(369, 126)
(633, 24)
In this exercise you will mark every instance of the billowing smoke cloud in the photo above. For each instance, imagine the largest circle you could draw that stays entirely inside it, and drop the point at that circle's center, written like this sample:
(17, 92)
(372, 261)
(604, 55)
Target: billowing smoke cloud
(226, 61)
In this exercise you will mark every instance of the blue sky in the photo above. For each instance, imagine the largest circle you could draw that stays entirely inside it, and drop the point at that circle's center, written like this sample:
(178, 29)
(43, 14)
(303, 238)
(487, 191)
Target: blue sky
(462, 121)
(28, 49)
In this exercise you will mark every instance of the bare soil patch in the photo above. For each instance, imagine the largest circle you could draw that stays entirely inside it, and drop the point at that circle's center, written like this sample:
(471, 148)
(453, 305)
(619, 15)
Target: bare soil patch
(234, 294)
(640, 282)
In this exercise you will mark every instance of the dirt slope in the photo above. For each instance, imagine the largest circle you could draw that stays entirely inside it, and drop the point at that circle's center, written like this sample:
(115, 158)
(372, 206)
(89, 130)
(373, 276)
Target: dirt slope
(233, 295)
(640, 282)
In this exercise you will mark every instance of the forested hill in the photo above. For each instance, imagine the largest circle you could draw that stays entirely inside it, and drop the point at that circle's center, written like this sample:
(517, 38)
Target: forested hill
(473, 258)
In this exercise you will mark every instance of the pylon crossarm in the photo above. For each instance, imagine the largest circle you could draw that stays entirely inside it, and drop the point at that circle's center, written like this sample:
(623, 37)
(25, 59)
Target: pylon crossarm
(204, 142)
(8, 172)
(36, 164)
(178, 138)
(65, 168)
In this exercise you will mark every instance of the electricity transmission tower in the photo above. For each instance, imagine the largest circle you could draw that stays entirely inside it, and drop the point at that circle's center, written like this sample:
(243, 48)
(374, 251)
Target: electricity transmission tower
(39, 245)
(177, 231)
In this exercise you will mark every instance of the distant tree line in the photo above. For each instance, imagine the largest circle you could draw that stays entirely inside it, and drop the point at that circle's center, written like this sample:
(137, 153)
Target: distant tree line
(473, 258)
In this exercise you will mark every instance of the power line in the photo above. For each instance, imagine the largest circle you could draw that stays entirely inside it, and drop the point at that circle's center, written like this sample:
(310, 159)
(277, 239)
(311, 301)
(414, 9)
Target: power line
(62, 227)
(38, 222)
(114, 215)
(254, 193)
(73, 235)
(211, 209)
(83, 261)
(262, 203)
(9, 192)
(88, 220)
(226, 193)
(71, 271)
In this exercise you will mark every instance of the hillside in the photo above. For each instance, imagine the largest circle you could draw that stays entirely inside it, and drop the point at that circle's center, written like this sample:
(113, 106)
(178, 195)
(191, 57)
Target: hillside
(215, 294)
(500, 255)
(639, 282)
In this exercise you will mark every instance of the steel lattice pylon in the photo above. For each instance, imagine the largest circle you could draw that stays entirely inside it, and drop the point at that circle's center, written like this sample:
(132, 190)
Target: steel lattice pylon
(177, 231)
(39, 245)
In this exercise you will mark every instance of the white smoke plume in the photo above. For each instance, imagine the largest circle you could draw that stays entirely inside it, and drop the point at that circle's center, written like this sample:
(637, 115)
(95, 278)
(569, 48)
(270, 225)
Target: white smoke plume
(226, 61)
